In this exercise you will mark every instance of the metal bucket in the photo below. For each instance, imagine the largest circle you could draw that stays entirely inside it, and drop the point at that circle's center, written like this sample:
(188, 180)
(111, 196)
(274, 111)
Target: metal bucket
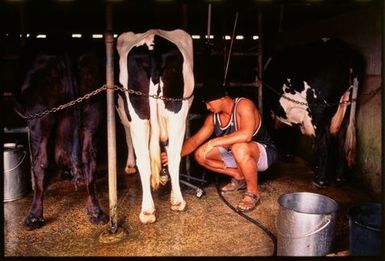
(305, 224)
(17, 177)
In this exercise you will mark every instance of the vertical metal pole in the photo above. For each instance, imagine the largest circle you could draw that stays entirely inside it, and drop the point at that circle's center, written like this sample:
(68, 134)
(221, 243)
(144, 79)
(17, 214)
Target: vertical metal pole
(281, 16)
(113, 234)
(260, 59)
(22, 25)
(111, 135)
(209, 23)
(230, 50)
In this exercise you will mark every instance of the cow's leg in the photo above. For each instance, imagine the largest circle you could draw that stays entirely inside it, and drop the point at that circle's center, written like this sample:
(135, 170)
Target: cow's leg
(342, 168)
(322, 143)
(39, 146)
(176, 128)
(140, 133)
(94, 212)
(67, 147)
(130, 164)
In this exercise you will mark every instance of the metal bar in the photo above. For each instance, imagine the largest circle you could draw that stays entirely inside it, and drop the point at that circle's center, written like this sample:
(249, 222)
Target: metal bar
(22, 24)
(260, 59)
(235, 84)
(114, 233)
(16, 130)
(193, 178)
(111, 131)
(242, 84)
(281, 17)
(231, 48)
(198, 190)
(220, 53)
(208, 23)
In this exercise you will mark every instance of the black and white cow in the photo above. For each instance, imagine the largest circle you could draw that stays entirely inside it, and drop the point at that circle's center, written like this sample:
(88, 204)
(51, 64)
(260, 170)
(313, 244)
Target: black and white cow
(156, 63)
(304, 86)
(55, 71)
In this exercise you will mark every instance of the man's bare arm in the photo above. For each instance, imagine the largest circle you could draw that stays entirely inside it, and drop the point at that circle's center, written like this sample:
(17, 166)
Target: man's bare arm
(199, 137)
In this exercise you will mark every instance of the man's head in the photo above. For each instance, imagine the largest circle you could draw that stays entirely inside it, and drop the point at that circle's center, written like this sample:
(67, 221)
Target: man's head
(213, 90)
(213, 93)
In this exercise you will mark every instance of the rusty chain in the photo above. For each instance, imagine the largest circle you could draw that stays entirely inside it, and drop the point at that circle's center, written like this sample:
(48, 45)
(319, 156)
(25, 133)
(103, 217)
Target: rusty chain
(321, 104)
(95, 92)
(154, 96)
(64, 106)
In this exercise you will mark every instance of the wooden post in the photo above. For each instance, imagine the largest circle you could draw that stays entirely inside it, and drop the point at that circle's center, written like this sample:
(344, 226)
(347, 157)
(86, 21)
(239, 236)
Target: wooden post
(114, 233)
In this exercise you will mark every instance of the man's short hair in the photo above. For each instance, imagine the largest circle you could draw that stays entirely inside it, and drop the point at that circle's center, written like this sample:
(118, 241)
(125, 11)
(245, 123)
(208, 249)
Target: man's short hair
(212, 91)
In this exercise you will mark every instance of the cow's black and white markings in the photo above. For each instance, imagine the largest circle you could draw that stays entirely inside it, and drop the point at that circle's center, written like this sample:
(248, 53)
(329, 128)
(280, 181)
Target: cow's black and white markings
(156, 63)
(304, 86)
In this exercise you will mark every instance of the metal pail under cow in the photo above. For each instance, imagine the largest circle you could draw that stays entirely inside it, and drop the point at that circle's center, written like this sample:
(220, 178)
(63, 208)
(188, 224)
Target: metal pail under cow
(17, 175)
(305, 224)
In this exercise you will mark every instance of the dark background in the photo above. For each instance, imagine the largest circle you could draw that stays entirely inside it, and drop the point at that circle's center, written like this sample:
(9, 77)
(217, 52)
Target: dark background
(88, 17)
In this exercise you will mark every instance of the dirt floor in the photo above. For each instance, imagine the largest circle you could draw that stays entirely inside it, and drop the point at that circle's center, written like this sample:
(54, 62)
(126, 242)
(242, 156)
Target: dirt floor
(207, 228)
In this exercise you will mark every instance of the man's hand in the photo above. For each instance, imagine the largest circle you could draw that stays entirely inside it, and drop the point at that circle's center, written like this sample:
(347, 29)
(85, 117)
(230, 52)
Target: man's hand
(163, 158)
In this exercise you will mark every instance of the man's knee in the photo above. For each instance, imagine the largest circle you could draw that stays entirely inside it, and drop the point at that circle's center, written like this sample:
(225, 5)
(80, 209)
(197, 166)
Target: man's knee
(198, 156)
(243, 151)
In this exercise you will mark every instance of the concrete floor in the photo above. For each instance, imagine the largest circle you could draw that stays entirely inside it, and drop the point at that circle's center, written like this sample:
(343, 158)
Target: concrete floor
(207, 228)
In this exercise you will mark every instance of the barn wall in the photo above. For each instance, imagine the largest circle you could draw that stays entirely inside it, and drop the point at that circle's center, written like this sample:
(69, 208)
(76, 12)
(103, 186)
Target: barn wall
(361, 29)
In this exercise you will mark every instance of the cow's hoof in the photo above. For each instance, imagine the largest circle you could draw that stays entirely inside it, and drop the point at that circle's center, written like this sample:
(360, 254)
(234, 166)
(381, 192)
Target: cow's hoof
(320, 183)
(340, 181)
(33, 222)
(179, 206)
(147, 217)
(97, 217)
(66, 175)
(130, 170)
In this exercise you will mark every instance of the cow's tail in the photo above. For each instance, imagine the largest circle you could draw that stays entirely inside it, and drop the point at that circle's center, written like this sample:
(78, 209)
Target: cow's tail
(350, 140)
(154, 145)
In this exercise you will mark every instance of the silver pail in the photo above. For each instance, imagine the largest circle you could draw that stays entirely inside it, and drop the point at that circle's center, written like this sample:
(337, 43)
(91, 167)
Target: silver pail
(17, 174)
(305, 224)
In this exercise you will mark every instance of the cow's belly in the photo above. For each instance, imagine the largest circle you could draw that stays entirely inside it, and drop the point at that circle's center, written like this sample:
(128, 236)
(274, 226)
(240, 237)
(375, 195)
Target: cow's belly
(297, 113)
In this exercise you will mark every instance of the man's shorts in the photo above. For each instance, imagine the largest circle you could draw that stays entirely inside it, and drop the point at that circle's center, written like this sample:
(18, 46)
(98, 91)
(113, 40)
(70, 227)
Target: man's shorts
(230, 162)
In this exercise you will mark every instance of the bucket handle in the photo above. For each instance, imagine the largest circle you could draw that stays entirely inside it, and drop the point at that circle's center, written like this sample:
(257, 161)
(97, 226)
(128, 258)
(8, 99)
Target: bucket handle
(18, 164)
(367, 227)
(306, 235)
